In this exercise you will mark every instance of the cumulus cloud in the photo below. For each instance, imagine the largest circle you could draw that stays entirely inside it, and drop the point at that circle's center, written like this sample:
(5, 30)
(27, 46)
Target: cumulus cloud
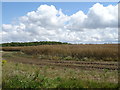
(102, 17)
(47, 23)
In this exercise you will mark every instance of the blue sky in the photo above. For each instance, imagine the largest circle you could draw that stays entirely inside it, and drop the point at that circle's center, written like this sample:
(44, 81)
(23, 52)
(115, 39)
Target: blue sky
(12, 10)
(40, 21)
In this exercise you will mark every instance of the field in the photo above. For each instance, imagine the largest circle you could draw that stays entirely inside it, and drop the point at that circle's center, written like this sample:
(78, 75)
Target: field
(61, 66)
(79, 52)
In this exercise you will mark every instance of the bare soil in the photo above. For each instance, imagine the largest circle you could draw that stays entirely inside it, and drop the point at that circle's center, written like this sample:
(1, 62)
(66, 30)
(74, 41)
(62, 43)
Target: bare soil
(62, 63)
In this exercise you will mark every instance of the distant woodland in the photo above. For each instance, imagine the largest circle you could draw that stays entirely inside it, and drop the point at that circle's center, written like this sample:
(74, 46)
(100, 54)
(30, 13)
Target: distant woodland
(31, 43)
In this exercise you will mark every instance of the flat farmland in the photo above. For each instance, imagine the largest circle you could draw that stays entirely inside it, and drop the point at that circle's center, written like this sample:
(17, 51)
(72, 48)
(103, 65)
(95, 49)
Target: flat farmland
(96, 65)
(105, 52)
(16, 57)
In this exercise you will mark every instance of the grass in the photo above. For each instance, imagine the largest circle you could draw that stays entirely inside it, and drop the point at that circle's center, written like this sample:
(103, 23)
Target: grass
(105, 52)
(18, 75)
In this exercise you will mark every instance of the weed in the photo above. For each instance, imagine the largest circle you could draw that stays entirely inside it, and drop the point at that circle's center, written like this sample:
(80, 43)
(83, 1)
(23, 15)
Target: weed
(46, 77)
(3, 62)
(68, 58)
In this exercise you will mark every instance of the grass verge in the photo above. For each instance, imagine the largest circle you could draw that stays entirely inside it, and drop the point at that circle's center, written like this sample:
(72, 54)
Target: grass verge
(18, 75)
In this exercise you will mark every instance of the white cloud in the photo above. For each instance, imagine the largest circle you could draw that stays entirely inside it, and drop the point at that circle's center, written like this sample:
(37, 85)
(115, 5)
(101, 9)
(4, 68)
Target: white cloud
(101, 17)
(76, 21)
(48, 23)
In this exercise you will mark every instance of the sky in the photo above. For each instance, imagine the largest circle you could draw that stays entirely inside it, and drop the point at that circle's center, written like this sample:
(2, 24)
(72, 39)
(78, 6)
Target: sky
(79, 22)
(12, 11)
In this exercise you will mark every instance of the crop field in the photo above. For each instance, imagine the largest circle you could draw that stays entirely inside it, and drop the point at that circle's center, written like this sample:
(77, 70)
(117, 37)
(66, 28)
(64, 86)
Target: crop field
(61, 66)
(78, 52)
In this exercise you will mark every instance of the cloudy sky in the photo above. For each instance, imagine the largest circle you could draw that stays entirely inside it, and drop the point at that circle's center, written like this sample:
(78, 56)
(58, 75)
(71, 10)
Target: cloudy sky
(65, 22)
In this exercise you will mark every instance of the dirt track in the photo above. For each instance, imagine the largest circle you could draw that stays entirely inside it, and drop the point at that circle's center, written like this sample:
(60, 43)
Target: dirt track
(63, 63)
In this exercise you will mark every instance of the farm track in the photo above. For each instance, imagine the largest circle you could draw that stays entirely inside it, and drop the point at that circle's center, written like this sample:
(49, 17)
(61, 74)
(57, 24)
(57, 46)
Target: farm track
(70, 64)
(83, 62)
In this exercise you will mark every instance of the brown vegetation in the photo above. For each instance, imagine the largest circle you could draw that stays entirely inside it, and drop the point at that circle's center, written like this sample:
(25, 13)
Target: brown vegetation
(101, 51)
(11, 48)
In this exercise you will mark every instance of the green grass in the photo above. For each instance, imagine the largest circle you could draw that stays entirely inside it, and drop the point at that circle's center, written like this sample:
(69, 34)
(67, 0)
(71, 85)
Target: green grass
(30, 76)
(40, 81)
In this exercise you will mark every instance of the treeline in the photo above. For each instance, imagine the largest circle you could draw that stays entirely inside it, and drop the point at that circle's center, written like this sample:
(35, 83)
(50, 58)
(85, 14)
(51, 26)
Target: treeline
(31, 43)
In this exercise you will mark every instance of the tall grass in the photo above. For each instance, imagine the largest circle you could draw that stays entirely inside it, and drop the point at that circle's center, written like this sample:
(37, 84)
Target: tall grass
(18, 75)
(11, 48)
(101, 51)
